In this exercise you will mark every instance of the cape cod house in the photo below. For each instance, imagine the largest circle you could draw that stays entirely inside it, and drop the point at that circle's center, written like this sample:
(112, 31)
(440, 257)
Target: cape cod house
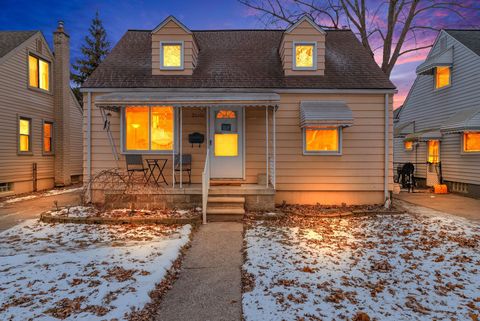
(41, 120)
(302, 115)
(438, 127)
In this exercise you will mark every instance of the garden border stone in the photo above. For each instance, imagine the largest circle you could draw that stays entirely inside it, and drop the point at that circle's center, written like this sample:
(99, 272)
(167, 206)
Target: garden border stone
(48, 218)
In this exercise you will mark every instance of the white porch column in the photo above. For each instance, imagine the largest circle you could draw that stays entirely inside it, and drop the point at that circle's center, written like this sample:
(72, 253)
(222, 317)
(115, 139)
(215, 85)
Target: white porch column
(266, 142)
(181, 147)
(274, 177)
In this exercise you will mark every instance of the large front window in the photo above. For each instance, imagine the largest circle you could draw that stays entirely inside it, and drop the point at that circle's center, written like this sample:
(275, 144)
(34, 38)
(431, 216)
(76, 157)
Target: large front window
(38, 73)
(471, 142)
(149, 128)
(171, 55)
(322, 140)
(433, 151)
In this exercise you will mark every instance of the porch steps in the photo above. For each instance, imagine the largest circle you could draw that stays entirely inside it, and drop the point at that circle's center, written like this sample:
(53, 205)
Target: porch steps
(225, 208)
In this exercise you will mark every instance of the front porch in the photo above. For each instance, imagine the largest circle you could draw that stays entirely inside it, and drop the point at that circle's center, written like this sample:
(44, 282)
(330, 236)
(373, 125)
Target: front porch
(229, 139)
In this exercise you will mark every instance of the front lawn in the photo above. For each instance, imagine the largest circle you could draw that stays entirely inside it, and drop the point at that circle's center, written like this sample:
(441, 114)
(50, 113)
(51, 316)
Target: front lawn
(83, 272)
(418, 266)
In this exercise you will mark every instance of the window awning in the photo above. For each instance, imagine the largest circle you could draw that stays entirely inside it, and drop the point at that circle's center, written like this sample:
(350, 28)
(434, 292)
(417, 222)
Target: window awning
(465, 120)
(325, 113)
(424, 136)
(444, 58)
(117, 100)
(403, 129)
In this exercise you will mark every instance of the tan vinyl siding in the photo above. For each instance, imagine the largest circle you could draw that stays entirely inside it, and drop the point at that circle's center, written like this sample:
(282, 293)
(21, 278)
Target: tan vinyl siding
(304, 32)
(172, 32)
(17, 100)
(76, 143)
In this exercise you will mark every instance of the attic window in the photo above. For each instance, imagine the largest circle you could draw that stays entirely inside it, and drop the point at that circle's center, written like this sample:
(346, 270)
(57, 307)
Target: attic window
(171, 55)
(442, 77)
(38, 73)
(304, 56)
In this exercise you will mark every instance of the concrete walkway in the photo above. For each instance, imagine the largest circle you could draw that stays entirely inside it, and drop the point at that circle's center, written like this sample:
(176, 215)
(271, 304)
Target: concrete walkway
(448, 203)
(209, 285)
(12, 214)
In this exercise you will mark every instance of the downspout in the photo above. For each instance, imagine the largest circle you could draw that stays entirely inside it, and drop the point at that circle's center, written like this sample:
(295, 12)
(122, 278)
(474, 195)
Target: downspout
(89, 144)
(387, 149)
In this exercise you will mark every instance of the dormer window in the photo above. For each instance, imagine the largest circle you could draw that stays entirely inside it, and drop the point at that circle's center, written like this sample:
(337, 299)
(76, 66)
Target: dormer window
(304, 56)
(442, 77)
(171, 55)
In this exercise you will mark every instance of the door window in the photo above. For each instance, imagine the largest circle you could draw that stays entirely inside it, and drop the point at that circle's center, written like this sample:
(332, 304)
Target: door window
(226, 134)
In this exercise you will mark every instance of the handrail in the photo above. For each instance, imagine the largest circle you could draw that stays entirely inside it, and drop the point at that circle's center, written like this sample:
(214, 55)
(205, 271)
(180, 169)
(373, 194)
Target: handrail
(205, 186)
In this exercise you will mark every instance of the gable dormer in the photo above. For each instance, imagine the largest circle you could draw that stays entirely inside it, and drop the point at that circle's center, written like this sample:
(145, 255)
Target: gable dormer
(302, 49)
(174, 50)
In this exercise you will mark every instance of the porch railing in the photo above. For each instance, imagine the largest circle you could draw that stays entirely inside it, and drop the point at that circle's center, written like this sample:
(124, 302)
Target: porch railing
(205, 186)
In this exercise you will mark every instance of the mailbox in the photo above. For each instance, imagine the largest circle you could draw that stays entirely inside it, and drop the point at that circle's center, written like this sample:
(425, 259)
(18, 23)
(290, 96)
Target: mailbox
(196, 138)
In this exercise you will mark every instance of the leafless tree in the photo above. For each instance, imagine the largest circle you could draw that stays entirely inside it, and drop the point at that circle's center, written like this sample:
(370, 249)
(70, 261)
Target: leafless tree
(392, 26)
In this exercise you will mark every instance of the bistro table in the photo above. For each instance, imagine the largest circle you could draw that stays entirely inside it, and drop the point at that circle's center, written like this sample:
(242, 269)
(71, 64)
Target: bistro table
(159, 164)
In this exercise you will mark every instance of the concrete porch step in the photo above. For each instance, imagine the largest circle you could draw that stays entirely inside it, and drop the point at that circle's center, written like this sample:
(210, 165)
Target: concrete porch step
(225, 211)
(226, 199)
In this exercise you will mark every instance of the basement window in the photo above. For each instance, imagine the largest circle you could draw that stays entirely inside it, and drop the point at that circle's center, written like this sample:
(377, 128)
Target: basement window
(38, 73)
(442, 77)
(171, 55)
(471, 142)
(149, 129)
(304, 56)
(322, 141)
(6, 187)
(24, 135)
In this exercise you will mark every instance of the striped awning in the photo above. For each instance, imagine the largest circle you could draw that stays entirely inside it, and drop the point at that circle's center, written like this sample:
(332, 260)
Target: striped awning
(424, 136)
(117, 100)
(465, 120)
(325, 113)
(444, 58)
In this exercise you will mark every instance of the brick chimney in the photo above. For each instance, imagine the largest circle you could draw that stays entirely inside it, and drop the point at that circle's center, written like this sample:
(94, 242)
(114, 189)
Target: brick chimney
(61, 90)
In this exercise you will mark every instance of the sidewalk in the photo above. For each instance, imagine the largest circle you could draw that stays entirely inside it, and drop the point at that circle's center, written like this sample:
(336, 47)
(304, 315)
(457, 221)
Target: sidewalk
(209, 286)
(12, 214)
(449, 203)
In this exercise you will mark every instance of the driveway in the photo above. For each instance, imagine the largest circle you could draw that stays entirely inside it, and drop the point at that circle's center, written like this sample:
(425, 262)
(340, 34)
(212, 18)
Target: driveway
(454, 204)
(13, 213)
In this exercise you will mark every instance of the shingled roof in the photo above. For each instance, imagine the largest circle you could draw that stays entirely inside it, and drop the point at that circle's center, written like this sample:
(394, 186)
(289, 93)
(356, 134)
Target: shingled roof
(469, 38)
(239, 59)
(10, 40)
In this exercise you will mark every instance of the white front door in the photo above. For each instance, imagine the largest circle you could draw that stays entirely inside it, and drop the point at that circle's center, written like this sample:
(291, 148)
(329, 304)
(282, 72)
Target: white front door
(226, 142)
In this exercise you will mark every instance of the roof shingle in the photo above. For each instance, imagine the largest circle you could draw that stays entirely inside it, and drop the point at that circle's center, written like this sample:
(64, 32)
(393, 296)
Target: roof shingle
(470, 38)
(10, 40)
(239, 59)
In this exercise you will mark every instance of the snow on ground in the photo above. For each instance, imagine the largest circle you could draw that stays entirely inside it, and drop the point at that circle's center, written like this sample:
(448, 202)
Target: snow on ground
(91, 211)
(420, 266)
(83, 272)
(33, 196)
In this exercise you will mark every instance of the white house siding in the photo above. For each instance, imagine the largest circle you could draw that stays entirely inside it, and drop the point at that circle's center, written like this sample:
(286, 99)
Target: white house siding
(430, 108)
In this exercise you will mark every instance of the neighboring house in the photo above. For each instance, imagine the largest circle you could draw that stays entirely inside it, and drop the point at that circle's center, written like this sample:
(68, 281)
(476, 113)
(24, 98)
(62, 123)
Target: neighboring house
(438, 128)
(296, 115)
(40, 124)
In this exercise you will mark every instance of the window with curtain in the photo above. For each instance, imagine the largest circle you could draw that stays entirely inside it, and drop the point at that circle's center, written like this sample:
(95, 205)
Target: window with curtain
(24, 135)
(48, 137)
(38, 73)
(304, 55)
(442, 77)
(433, 151)
(149, 128)
(471, 142)
(322, 140)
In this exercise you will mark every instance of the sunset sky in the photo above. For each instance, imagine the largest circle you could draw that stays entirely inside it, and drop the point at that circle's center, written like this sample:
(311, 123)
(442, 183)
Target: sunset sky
(118, 16)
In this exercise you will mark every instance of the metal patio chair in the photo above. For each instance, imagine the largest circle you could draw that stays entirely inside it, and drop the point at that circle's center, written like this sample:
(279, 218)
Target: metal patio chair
(135, 165)
(186, 166)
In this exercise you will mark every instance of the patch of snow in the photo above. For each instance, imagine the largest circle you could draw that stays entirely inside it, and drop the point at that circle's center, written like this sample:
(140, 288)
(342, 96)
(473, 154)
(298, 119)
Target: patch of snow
(108, 269)
(419, 266)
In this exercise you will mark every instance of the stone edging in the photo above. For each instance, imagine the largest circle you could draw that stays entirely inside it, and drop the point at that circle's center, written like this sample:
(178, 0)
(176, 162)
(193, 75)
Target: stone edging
(48, 218)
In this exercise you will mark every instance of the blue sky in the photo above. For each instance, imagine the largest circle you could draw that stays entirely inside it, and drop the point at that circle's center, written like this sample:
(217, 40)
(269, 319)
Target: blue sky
(119, 16)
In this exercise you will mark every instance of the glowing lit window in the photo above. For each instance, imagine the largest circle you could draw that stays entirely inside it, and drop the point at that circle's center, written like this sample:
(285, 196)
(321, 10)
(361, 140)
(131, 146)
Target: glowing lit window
(408, 145)
(149, 128)
(38, 73)
(24, 135)
(171, 55)
(322, 140)
(226, 144)
(228, 114)
(47, 137)
(442, 77)
(304, 56)
(471, 142)
(162, 128)
(433, 151)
